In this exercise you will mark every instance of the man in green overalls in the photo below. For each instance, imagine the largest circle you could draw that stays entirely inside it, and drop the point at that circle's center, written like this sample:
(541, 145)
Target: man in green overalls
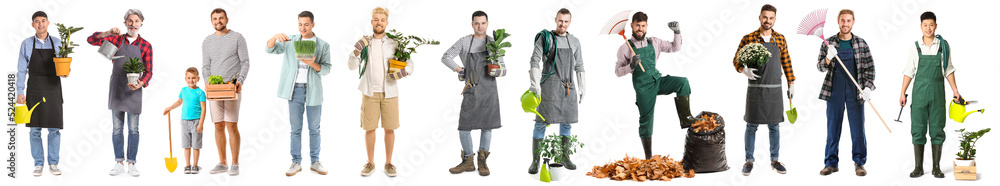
(928, 66)
(646, 80)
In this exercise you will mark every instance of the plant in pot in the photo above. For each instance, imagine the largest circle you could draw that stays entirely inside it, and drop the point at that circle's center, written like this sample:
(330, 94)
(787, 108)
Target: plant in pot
(967, 148)
(553, 148)
(753, 55)
(305, 49)
(134, 68)
(496, 51)
(62, 59)
(406, 45)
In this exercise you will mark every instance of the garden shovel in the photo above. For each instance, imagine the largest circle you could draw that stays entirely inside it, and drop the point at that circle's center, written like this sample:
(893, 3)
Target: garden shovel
(792, 114)
(171, 161)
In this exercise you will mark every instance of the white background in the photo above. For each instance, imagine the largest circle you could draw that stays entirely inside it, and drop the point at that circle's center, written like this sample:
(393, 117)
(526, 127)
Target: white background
(427, 142)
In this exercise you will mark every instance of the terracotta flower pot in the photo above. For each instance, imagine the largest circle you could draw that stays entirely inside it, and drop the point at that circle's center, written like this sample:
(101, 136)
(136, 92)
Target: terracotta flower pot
(62, 65)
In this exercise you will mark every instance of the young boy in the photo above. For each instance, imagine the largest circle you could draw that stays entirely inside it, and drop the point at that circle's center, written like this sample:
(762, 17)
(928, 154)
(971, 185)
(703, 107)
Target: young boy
(192, 118)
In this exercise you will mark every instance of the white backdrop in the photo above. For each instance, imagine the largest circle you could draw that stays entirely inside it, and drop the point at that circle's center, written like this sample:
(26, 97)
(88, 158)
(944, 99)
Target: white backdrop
(429, 102)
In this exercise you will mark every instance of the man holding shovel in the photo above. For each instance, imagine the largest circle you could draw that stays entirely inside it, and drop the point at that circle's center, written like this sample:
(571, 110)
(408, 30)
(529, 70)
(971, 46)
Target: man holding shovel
(224, 53)
(763, 101)
(648, 83)
(125, 98)
(35, 59)
(840, 93)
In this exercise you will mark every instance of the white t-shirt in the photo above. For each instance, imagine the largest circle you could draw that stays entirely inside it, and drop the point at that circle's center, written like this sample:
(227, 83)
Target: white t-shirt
(301, 76)
(376, 68)
(767, 39)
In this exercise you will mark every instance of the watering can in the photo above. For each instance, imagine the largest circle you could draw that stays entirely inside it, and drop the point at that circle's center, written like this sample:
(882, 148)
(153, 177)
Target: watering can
(530, 101)
(108, 50)
(22, 114)
(957, 110)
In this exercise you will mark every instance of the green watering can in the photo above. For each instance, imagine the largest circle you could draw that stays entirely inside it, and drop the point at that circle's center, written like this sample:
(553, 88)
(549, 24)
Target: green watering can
(530, 101)
(22, 114)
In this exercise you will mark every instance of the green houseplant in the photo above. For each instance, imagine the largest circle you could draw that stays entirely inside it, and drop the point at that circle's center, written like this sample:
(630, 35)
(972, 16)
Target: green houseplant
(62, 59)
(134, 68)
(305, 49)
(496, 47)
(553, 148)
(406, 45)
(967, 141)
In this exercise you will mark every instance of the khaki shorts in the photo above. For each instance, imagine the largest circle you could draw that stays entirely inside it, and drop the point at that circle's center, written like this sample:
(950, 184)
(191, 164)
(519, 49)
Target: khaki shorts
(225, 111)
(373, 108)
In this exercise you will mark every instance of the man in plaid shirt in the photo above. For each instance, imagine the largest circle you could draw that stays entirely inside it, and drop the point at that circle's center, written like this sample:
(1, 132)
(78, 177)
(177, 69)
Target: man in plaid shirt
(840, 93)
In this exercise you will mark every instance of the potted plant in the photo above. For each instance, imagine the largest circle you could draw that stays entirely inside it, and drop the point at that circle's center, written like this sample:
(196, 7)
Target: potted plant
(552, 148)
(305, 49)
(753, 55)
(965, 164)
(496, 49)
(405, 46)
(134, 68)
(219, 89)
(62, 60)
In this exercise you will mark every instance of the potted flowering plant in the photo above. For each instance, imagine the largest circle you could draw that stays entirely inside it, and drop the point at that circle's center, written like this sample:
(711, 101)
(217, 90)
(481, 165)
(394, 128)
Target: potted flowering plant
(753, 55)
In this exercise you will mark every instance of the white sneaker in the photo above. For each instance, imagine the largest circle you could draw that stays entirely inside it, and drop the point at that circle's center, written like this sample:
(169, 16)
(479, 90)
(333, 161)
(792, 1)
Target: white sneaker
(38, 171)
(318, 168)
(132, 170)
(119, 168)
(220, 168)
(293, 170)
(55, 170)
(234, 170)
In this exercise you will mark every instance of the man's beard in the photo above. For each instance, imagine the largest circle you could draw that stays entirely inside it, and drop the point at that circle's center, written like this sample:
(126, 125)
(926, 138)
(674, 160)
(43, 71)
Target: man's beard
(638, 37)
(376, 31)
(221, 29)
(765, 27)
(132, 33)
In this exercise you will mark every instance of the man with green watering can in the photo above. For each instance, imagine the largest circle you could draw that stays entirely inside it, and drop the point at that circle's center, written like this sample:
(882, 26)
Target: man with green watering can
(648, 83)
(556, 56)
(35, 62)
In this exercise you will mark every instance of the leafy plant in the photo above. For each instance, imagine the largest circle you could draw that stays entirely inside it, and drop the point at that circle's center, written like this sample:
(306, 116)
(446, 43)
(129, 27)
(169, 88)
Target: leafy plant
(967, 149)
(753, 54)
(496, 48)
(551, 147)
(407, 44)
(67, 46)
(215, 79)
(305, 49)
(134, 65)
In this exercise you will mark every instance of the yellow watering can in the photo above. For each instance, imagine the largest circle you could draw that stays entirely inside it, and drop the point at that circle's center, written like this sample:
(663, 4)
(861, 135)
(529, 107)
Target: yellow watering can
(22, 114)
(530, 101)
(957, 110)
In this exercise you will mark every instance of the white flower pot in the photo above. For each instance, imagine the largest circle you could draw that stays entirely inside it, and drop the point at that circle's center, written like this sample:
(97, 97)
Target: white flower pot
(133, 78)
(965, 163)
(558, 172)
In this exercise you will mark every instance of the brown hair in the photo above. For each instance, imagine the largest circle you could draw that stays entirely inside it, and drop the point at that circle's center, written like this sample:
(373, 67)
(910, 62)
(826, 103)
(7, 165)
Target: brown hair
(564, 11)
(768, 7)
(220, 10)
(192, 70)
(846, 11)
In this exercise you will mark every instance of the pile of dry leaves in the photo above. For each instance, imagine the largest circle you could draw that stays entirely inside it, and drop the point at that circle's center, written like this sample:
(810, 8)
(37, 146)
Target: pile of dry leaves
(636, 169)
(707, 123)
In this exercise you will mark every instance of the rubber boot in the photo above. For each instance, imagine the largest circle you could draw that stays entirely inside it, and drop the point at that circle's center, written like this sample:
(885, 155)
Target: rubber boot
(646, 144)
(936, 155)
(467, 164)
(535, 156)
(684, 111)
(918, 158)
(483, 170)
(565, 152)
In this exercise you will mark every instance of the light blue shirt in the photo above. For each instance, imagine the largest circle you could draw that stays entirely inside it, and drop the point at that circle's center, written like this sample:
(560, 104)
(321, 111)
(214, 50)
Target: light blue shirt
(24, 55)
(191, 106)
(290, 67)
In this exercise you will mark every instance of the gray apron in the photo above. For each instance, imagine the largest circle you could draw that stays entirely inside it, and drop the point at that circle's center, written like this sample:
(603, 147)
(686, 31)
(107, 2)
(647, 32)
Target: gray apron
(120, 97)
(764, 104)
(480, 102)
(43, 83)
(559, 102)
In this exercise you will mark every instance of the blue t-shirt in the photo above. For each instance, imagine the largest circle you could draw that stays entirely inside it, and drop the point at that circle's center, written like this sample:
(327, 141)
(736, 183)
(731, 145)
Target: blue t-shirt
(191, 106)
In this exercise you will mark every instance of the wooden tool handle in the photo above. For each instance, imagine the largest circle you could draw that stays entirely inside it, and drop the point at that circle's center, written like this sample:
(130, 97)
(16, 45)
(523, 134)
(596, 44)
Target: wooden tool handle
(170, 136)
(633, 53)
(860, 90)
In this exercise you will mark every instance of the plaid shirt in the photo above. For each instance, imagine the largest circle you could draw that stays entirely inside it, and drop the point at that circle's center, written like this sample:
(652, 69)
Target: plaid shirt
(144, 47)
(777, 39)
(863, 63)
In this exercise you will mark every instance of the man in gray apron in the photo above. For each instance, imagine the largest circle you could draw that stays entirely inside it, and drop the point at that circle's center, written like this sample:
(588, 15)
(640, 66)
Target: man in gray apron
(556, 56)
(125, 98)
(763, 100)
(35, 62)
(480, 102)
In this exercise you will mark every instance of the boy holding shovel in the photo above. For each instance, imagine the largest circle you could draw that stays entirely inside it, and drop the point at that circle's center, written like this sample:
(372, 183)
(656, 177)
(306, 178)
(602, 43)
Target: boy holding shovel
(192, 118)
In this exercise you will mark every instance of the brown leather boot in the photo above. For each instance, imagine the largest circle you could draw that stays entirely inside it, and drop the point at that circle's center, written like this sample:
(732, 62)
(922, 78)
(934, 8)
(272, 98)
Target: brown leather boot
(467, 164)
(483, 170)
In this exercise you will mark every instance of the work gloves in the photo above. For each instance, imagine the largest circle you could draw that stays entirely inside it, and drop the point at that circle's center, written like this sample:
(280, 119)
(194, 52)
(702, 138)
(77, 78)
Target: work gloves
(676, 27)
(831, 52)
(865, 94)
(791, 91)
(461, 75)
(635, 61)
(582, 85)
(535, 75)
(397, 74)
(747, 71)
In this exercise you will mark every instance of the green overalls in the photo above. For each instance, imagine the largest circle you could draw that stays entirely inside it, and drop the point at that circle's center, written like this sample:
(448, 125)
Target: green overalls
(649, 84)
(928, 108)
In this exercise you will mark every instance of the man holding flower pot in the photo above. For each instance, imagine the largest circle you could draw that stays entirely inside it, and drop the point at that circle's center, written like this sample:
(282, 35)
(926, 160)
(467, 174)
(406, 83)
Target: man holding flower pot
(125, 98)
(224, 53)
(35, 63)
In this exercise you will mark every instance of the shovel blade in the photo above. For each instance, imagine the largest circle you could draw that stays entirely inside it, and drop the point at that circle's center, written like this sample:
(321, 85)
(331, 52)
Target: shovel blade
(171, 164)
(792, 115)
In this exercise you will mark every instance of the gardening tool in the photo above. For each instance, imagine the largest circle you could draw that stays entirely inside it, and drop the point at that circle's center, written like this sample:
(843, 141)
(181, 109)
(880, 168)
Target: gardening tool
(957, 110)
(616, 25)
(530, 101)
(171, 161)
(901, 109)
(22, 114)
(812, 25)
(792, 114)
(108, 50)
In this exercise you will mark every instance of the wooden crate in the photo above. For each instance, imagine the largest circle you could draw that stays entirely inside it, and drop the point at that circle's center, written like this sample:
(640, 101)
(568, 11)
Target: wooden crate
(965, 172)
(218, 92)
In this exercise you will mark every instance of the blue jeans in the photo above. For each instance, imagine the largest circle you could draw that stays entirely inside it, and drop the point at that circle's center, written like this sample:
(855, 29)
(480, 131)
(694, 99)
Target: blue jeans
(35, 136)
(118, 140)
(840, 100)
(296, 108)
(564, 130)
(751, 136)
(485, 136)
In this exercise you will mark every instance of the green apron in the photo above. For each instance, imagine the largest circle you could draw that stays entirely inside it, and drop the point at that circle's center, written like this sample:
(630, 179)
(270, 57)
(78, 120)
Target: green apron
(649, 84)
(928, 109)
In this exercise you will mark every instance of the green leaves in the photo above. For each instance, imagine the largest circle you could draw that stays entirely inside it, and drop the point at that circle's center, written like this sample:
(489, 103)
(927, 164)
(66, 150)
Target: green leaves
(496, 48)
(215, 79)
(403, 44)
(551, 147)
(967, 141)
(134, 65)
(305, 49)
(67, 46)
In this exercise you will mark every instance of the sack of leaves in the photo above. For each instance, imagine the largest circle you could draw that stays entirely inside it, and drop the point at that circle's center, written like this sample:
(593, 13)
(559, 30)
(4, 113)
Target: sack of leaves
(705, 145)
